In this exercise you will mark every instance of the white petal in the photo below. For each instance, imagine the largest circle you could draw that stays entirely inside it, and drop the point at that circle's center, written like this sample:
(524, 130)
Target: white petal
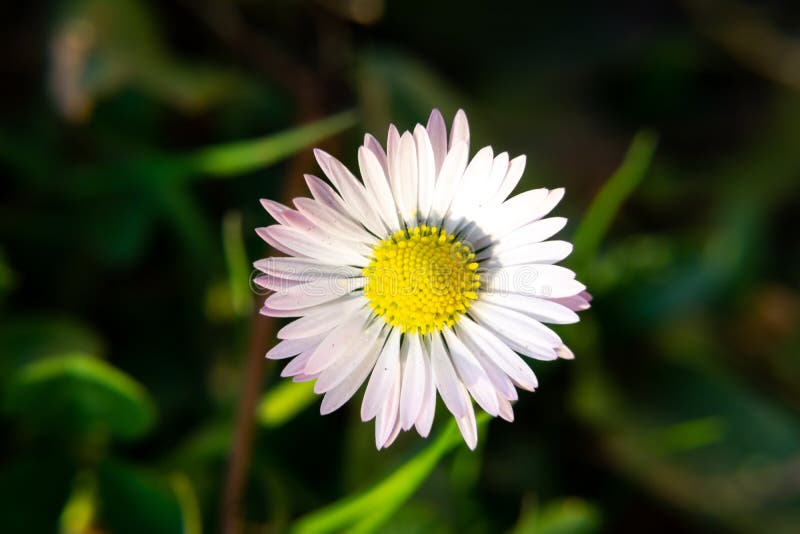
(490, 188)
(459, 131)
(335, 373)
(378, 186)
(266, 235)
(323, 319)
(529, 336)
(314, 293)
(447, 381)
(323, 235)
(387, 417)
(383, 375)
(540, 309)
(413, 389)
(428, 409)
(448, 181)
(470, 189)
(304, 270)
(472, 374)
(546, 252)
(292, 347)
(534, 232)
(498, 352)
(337, 343)
(437, 133)
(467, 424)
(353, 193)
(515, 169)
(426, 162)
(393, 434)
(403, 177)
(537, 280)
(500, 380)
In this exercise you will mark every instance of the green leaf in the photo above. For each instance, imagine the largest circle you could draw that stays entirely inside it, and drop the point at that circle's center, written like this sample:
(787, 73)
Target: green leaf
(135, 500)
(608, 201)
(284, 401)
(244, 156)
(78, 393)
(26, 339)
(367, 511)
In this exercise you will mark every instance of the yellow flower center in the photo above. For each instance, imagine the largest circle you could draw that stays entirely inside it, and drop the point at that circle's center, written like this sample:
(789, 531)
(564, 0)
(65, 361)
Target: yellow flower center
(421, 279)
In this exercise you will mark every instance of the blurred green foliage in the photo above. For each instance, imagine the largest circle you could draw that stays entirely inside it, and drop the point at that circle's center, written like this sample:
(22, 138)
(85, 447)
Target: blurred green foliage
(126, 311)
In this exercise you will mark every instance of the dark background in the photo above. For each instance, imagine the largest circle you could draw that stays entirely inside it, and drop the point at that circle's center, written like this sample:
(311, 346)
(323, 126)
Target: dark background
(118, 254)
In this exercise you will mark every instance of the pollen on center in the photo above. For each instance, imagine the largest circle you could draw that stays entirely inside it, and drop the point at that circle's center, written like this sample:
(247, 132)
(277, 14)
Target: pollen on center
(421, 279)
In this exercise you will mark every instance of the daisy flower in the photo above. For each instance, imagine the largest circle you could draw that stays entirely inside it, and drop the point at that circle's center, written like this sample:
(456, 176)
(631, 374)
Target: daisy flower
(422, 277)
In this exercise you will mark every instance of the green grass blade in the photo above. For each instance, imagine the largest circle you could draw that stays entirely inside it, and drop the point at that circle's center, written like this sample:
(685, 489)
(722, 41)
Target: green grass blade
(284, 401)
(244, 156)
(369, 510)
(238, 266)
(606, 204)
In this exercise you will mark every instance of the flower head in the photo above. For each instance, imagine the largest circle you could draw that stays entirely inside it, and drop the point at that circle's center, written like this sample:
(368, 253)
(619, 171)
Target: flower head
(422, 277)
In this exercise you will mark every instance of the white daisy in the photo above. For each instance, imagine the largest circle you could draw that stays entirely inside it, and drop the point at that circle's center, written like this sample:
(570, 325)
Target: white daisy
(423, 276)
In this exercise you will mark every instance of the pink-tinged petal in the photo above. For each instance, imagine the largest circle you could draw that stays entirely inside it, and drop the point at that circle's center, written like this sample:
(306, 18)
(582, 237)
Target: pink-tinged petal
(336, 344)
(459, 132)
(378, 186)
(269, 311)
(383, 375)
(446, 378)
(437, 132)
(506, 411)
(323, 319)
(413, 388)
(342, 368)
(343, 391)
(324, 236)
(353, 193)
(471, 373)
(266, 235)
(298, 364)
(374, 146)
(333, 221)
(325, 194)
(577, 302)
(428, 409)
(540, 309)
(310, 246)
(393, 435)
(293, 347)
(565, 353)
(275, 209)
(494, 349)
(274, 283)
